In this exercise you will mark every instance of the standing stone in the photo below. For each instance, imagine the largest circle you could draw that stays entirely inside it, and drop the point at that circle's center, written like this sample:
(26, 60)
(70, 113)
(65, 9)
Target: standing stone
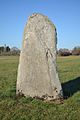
(37, 75)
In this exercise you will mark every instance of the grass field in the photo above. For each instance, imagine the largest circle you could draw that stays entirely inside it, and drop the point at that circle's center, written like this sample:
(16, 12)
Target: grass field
(12, 108)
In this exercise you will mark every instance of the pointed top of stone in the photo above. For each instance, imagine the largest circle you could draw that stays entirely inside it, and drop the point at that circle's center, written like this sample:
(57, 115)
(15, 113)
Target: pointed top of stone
(39, 16)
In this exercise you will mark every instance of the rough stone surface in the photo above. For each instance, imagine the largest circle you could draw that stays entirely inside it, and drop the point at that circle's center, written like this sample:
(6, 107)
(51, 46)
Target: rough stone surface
(37, 75)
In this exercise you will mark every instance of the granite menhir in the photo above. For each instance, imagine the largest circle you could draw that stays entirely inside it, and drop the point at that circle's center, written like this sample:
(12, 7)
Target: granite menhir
(37, 74)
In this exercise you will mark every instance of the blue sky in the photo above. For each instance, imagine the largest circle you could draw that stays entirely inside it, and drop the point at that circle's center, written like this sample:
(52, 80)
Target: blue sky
(65, 14)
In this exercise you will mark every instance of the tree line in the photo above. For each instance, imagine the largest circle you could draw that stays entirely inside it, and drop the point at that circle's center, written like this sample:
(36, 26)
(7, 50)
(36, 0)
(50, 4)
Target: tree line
(6, 50)
(67, 52)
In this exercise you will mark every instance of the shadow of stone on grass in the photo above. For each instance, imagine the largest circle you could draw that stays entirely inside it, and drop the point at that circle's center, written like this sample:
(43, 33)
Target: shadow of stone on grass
(71, 87)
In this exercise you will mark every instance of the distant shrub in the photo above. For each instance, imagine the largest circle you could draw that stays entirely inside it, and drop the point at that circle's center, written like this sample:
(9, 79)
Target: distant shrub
(7, 49)
(76, 50)
(64, 52)
(1, 49)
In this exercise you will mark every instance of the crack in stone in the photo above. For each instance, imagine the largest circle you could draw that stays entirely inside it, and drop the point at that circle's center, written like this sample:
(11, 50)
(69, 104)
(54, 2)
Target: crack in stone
(48, 55)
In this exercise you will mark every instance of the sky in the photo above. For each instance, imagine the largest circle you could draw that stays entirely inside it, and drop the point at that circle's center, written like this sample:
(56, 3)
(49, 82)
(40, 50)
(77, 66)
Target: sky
(65, 14)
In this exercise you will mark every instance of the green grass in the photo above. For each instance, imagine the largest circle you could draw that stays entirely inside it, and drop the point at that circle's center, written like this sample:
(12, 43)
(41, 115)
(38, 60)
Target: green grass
(12, 108)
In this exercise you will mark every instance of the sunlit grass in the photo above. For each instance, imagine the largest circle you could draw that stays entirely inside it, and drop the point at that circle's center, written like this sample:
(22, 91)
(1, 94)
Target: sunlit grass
(12, 108)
